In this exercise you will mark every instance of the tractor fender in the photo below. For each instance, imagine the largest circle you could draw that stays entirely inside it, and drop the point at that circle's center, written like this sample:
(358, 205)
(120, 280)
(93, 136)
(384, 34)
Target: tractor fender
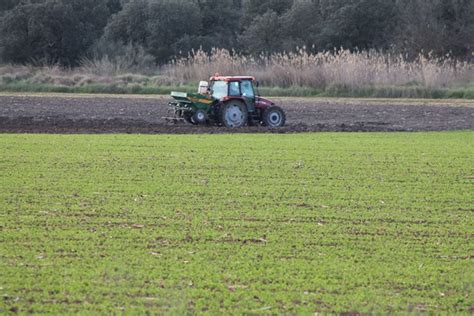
(239, 99)
(262, 103)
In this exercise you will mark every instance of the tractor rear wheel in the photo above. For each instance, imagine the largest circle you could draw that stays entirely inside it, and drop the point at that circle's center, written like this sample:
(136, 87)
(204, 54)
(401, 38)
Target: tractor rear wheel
(233, 114)
(273, 116)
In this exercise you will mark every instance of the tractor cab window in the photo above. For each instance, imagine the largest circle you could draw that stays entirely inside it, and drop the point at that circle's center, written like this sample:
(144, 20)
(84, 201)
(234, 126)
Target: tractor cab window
(247, 89)
(234, 89)
(219, 89)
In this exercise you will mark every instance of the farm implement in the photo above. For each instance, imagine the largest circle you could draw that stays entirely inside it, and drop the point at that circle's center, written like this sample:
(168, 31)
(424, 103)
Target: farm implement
(228, 101)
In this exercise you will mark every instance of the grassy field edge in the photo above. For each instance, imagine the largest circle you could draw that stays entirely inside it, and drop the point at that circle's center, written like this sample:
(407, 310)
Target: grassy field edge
(296, 91)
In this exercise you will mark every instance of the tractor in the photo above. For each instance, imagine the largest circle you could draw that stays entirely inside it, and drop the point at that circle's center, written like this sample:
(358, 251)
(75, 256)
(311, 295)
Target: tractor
(230, 101)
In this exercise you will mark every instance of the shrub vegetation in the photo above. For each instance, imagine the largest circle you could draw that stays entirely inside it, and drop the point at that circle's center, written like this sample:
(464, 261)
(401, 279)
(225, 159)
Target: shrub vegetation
(362, 47)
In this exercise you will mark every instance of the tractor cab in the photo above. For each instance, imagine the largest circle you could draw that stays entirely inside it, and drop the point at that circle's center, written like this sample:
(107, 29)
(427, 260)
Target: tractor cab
(229, 87)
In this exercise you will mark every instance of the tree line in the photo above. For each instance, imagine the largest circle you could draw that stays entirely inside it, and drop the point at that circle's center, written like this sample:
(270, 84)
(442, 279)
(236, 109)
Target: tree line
(66, 31)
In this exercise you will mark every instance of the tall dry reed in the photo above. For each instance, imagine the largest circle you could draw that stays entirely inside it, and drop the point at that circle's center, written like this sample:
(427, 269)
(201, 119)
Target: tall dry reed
(320, 70)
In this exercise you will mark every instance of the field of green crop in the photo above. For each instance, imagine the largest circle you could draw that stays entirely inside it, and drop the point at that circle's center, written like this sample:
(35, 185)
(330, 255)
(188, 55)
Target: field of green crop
(254, 224)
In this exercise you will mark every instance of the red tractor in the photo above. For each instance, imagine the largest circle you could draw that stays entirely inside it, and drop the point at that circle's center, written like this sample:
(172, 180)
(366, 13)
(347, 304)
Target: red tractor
(227, 100)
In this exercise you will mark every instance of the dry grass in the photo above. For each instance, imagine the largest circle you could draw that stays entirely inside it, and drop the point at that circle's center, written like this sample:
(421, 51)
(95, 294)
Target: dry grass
(301, 73)
(93, 73)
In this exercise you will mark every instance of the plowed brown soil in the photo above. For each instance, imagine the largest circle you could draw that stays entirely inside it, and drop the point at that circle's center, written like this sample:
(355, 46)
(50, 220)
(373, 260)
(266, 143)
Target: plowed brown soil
(137, 114)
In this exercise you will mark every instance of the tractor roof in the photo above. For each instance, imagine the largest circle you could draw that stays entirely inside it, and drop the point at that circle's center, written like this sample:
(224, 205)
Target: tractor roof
(231, 78)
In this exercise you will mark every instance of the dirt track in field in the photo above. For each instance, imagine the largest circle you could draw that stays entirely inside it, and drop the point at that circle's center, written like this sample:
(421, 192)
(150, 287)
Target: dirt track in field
(134, 114)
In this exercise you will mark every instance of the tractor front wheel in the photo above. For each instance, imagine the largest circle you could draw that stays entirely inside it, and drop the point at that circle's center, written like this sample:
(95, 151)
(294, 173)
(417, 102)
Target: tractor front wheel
(199, 117)
(233, 114)
(273, 116)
